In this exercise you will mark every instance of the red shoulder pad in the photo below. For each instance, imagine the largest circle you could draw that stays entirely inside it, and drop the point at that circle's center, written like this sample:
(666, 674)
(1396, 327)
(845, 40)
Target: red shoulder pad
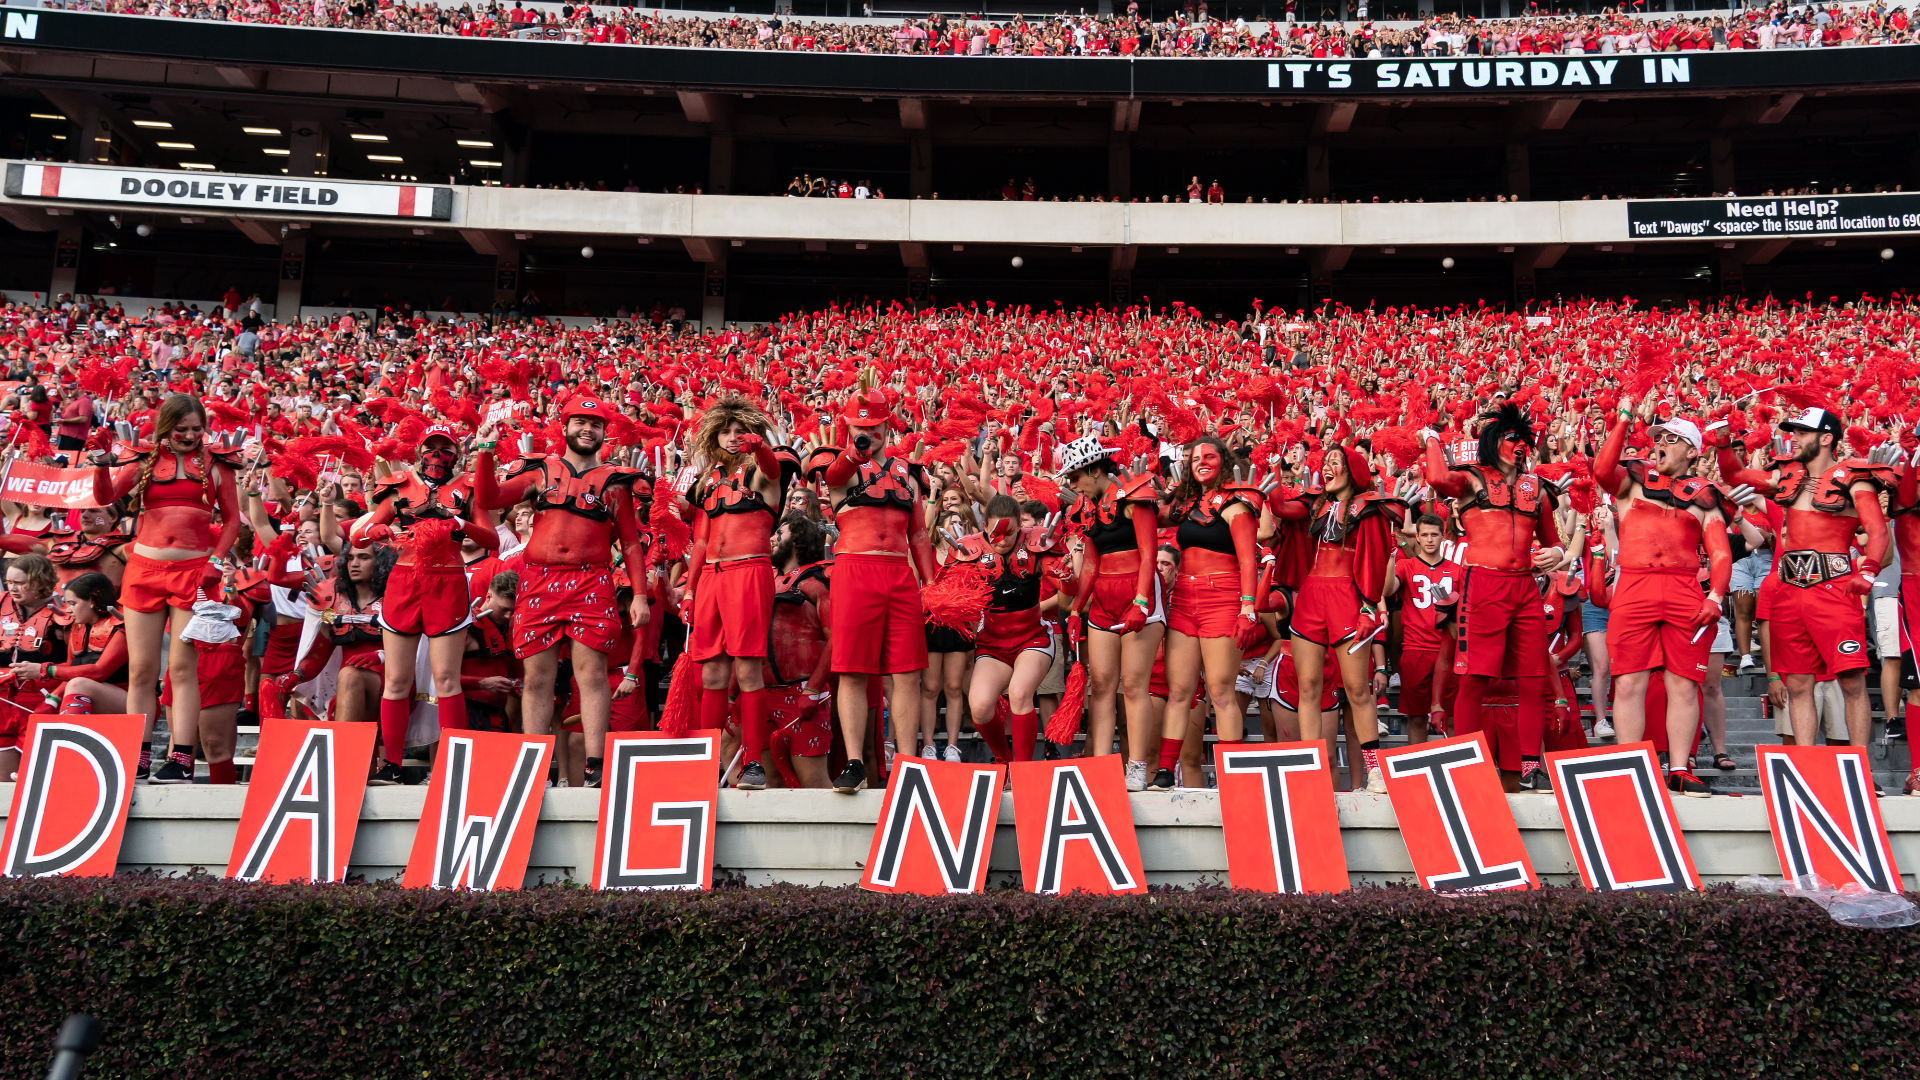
(1041, 541)
(971, 548)
(1141, 488)
(1883, 477)
(527, 464)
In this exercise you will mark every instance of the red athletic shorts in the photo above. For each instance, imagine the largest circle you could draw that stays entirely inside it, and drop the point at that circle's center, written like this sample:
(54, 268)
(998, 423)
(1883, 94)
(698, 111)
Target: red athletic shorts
(1503, 625)
(147, 585)
(1821, 631)
(629, 713)
(564, 601)
(1010, 633)
(1286, 682)
(1650, 624)
(803, 723)
(1416, 683)
(21, 703)
(1909, 611)
(878, 628)
(731, 609)
(1500, 723)
(223, 675)
(283, 641)
(1112, 600)
(1326, 611)
(1763, 598)
(1206, 605)
(426, 601)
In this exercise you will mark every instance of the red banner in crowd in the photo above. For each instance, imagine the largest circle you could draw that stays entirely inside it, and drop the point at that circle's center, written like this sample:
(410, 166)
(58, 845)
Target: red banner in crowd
(1075, 827)
(1454, 816)
(1619, 820)
(1280, 824)
(657, 804)
(70, 802)
(935, 833)
(303, 801)
(24, 481)
(1825, 817)
(482, 801)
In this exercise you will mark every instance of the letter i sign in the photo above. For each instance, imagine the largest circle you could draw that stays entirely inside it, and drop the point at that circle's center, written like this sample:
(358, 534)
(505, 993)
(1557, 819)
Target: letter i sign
(1454, 816)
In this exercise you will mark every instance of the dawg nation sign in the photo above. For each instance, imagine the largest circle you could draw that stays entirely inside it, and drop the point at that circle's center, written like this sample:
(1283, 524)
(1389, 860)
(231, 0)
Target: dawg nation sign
(70, 802)
(303, 801)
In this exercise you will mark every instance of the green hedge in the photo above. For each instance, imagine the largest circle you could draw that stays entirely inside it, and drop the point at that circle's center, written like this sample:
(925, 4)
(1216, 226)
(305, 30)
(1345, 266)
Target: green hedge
(205, 978)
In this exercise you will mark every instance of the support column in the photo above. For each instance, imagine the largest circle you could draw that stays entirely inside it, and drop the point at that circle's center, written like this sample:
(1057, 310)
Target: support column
(1318, 170)
(1733, 273)
(293, 277)
(66, 261)
(713, 303)
(720, 164)
(506, 269)
(920, 166)
(1523, 278)
(514, 144)
(1321, 266)
(1519, 171)
(1120, 275)
(86, 149)
(1120, 165)
(1720, 164)
(307, 150)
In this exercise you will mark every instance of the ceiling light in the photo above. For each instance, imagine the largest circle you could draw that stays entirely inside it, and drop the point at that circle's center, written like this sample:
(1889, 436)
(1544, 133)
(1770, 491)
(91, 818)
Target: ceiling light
(174, 145)
(484, 164)
(195, 165)
(275, 151)
(62, 138)
(261, 131)
(48, 116)
(360, 137)
(158, 125)
(480, 144)
(384, 157)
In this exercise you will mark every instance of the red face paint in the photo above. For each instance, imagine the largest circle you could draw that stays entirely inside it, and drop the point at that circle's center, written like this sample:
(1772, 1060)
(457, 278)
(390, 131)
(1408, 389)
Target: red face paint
(1206, 463)
(999, 529)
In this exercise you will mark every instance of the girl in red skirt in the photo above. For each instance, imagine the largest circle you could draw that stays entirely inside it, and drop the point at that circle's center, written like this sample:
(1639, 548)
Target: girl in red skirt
(1013, 650)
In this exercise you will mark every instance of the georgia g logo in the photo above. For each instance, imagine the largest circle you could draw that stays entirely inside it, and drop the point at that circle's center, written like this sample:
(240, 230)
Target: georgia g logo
(1848, 647)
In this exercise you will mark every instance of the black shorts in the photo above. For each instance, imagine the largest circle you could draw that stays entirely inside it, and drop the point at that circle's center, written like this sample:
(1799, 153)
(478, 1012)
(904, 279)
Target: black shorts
(68, 442)
(947, 639)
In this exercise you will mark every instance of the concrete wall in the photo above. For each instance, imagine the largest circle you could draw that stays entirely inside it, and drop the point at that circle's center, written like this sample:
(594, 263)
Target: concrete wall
(820, 838)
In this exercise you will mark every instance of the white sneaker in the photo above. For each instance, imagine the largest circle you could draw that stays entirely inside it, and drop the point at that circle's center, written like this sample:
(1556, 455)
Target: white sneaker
(1376, 783)
(1136, 776)
(1178, 780)
(1602, 730)
(1747, 663)
(930, 752)
(952, 753)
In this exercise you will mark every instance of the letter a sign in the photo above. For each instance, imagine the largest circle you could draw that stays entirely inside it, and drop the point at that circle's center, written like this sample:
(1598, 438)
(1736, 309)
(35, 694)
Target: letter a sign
(303, 802)
(1454, 816)
(657, 805)
(70, 802)
(477, 828)
(1279, 820)
(1075, 827)
(1619, 820)
(935, 833)
(1825, 817)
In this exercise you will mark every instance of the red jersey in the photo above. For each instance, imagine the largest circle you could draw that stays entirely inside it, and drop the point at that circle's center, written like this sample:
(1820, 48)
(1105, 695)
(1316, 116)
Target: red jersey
(1419, 583)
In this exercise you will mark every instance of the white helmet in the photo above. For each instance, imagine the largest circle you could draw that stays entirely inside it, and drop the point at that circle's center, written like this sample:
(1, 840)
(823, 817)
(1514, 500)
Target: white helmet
(1083, 452)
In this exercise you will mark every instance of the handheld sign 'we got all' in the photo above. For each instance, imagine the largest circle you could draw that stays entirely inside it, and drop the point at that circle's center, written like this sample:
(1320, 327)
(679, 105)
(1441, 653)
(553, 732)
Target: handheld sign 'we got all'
(303, 801)
(1454, 816)
(70, 802)
(936, 826)
(1075, 827)
(476, 830)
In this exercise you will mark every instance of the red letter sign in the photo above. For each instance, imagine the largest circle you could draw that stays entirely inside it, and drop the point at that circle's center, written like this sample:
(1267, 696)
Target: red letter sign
(1454, 816)
(482, 801)
(936, 828)
(303, 803)
(1075, 827)
(1825, 817)
(1276, 809)
(70, 803)
(656, 811)
(1619, 820)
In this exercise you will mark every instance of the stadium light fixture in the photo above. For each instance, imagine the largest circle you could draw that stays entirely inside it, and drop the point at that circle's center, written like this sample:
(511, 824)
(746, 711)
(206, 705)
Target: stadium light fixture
(157, 125)
(384, 157)
(174, 145)
(361, 136)
(48, 116)
(275, 151)
(478, 164)
(200, 166)
(260, 130)
(477, 144)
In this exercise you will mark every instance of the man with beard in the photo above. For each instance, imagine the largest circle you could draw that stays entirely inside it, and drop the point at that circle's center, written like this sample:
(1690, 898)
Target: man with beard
(1504, 509)
(1657, 618)
(729, 593)
(877, 625)
(566, 588)
(1818, 624)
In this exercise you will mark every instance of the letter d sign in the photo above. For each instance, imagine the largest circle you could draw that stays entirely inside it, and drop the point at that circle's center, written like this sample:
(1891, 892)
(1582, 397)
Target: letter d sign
(70, 804)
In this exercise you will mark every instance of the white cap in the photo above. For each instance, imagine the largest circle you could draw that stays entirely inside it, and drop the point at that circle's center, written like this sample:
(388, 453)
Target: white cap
(1813, 420)
(1682, 427)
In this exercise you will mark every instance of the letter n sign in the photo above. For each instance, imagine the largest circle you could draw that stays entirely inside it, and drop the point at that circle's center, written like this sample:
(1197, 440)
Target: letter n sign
(1454, 816)
(1825, 817)
(935, 834)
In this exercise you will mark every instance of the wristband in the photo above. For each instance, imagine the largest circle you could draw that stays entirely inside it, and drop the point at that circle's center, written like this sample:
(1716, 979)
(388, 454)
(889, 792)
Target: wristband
(1146, 605)
(630, 677)
(1772, 677)
(1380, 671)
(1559, 701)
(49, 672)
(485, 445)
(1245, 599)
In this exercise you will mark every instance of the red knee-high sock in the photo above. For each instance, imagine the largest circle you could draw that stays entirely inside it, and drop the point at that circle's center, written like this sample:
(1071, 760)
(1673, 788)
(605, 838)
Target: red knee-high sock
(76, 705)
(1170, 752)
(1533, 713)
(453, 712)
(222, 772)
(713, 709)
(995, 733)
(754, 725)
(1466, 706)
(1026, 729)
(394, 714)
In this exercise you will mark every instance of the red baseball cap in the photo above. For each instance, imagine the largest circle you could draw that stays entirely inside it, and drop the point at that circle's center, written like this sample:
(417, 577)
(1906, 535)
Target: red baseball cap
(586, 406)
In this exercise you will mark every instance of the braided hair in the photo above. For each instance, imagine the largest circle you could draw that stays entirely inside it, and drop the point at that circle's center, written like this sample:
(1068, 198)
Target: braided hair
(172, 412)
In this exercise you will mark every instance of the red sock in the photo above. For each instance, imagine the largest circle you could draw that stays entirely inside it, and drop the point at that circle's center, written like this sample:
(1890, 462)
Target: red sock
(1913, 721)
(1533, 713)
(222, 772)
(252, 703)
(1169, 752)
(996, 736)
(76, 705)
(713, 709)
(394, 714)
(754, 724)
(1026, 730)
(453, 712)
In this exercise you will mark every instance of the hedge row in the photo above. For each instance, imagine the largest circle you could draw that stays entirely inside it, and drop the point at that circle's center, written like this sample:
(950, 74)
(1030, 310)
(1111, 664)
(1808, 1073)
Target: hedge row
(205, 978)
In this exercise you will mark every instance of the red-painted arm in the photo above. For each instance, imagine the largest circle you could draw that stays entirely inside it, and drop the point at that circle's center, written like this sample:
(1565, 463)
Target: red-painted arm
(763, 458)
(1440, 477)
(1907, 492)
(1606, 465)
(919, 545)
(1144, 520)
(1246, 549)
(696, 553)
(1733, 472)
(486, 536)
(110, 484)
(818, 680)
(112, 659)
(492, 494)
(843, 468)
(375, 526)
(1089, 570)
(227, 495)
(22, 544)
(1866, 501)
(1719, 557)
(632, 549)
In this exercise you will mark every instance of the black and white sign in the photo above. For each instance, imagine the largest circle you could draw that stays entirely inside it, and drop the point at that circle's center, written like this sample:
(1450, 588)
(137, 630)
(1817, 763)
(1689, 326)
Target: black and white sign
(166, 189)
(1773, 218)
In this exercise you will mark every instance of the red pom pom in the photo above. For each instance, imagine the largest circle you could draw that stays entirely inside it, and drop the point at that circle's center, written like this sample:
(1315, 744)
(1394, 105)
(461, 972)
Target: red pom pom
(1064, 724)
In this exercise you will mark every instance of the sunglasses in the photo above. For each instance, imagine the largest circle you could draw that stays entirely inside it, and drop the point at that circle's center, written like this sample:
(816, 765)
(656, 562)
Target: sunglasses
(1666, 438)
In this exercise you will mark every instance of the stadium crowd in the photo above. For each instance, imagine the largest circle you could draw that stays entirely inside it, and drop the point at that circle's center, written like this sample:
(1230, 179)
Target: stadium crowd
(862, 532)
(1182, 34)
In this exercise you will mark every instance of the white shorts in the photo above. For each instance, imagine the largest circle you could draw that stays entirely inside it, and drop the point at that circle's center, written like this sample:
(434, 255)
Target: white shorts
(1831, 706)
(1886, 627)
(1723, 637)
(1245, 684)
